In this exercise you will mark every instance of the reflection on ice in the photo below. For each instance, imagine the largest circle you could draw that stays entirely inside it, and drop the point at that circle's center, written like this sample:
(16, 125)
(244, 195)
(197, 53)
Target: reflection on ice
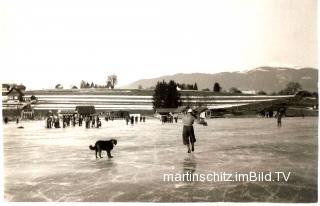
(189, 164)
(56, 164)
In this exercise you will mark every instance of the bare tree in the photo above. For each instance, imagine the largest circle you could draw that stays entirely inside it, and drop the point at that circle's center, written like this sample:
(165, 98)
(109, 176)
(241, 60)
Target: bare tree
(112, 80)
(291, 88)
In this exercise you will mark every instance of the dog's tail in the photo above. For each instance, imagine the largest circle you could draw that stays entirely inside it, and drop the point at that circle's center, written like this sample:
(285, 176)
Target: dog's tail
(92, 148)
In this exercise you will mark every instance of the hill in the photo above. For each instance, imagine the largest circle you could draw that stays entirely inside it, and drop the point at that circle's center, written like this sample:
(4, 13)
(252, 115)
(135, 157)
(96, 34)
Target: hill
(268, 79)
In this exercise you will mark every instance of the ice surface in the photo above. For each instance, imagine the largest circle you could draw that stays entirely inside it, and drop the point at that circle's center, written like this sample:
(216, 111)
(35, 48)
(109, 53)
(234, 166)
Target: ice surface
(56, 164)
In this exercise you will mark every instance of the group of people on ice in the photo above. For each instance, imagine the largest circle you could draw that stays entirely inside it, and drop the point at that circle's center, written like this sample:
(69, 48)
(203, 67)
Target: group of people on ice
(134, 119)
(90, 121)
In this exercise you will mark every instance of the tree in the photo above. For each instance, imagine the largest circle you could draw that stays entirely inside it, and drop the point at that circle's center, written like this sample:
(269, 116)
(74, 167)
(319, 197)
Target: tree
(291, 88)
(173, 96)
(74, 87)
(182, 86)
(82, 84)
(262, 93)
(140, 87)
(166, 95)
(58, 86)
(216, 87)
(234, 90)
(195, 87)
(109, 85)
(32, 98)
(315, 94)
(304, 93)
(189, 86)
(112, 81)
(158, 97)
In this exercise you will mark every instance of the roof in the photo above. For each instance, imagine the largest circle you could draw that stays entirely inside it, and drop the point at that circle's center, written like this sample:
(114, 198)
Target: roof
(167, 110)
(14, 92)
(86, 110)
(66, 112)
(200, 109)
(26, 108)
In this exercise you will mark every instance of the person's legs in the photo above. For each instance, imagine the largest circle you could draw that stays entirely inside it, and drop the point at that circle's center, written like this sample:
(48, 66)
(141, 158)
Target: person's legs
(185, 137)
(188, 145)
(192, 139)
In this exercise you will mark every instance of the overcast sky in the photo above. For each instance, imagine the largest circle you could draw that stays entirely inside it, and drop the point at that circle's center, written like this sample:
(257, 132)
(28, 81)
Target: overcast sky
(46, 42)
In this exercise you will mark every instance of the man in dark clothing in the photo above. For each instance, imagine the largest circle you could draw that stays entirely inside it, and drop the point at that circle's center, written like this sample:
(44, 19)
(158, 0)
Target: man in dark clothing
(188, 131)
(279, 119)
(80, 121)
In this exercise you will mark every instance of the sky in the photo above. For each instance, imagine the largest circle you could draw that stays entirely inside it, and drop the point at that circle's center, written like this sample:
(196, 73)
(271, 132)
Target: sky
(43, 43)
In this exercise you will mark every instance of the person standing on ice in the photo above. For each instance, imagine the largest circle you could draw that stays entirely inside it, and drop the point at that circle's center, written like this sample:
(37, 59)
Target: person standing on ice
(188, 136)
(279, 119)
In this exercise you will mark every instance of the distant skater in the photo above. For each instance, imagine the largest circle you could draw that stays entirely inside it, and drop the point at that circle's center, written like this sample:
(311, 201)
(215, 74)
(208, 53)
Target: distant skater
(93, 122)
(188, 136)
(87, 120)
(80, 121)
(279, 119)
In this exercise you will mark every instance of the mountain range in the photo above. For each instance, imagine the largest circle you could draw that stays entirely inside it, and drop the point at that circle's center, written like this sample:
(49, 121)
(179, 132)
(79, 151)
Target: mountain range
(267, 79)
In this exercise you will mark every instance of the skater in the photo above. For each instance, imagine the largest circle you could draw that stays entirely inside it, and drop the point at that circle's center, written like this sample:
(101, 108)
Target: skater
(132, 120)
(87, 120)
(188, 136)
(98, 122)
(93, 122)
(57, 123)
(49, 122)
(74, 121)
(279, 119)
(127, 120)
(80, 121)
(175, 117)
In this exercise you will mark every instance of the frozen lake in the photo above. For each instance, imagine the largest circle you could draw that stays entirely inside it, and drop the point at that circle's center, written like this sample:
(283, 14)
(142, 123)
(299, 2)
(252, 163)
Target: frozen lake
(56, 164)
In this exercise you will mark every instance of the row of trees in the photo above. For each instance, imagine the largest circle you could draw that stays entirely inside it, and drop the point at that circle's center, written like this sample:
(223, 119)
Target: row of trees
(166, 95)
(188, 86)
(290, 89)
(112, 80)
(85, 84)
